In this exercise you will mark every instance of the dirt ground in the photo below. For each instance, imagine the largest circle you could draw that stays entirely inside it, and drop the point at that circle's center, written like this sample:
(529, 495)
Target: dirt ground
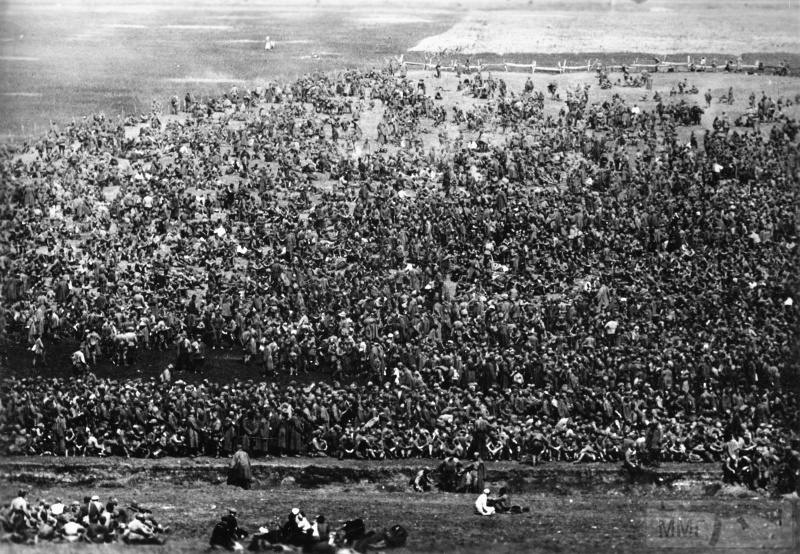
(658, 27)
(625, 518)
(718, 83)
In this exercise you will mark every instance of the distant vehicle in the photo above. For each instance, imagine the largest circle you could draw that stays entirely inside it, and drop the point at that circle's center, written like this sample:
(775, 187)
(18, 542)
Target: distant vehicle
(269, 44)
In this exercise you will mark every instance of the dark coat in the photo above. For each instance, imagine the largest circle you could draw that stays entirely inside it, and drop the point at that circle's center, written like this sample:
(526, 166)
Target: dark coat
(229, 438)
(239, 472)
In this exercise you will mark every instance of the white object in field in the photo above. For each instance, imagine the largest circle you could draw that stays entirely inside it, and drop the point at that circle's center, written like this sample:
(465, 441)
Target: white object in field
(268, 44)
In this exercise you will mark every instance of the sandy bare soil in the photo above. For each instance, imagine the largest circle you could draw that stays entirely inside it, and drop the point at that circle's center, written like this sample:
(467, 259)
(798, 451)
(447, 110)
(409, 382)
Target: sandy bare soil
(660, 28)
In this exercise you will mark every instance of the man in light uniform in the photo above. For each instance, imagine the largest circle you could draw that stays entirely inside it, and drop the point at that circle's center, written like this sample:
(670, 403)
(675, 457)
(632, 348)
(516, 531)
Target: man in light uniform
(18, 511)
(482, 504)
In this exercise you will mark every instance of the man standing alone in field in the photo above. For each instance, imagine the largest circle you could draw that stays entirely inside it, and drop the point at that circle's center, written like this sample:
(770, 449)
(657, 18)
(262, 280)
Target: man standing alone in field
(240, 473)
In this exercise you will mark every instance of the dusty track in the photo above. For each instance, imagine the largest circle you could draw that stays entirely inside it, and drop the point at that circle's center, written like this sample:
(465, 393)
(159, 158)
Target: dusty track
(558, 478)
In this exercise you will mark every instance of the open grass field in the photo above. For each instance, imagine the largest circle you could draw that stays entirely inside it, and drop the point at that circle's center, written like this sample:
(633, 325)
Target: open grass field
(567, 513)
(59, 60)
(67, 59)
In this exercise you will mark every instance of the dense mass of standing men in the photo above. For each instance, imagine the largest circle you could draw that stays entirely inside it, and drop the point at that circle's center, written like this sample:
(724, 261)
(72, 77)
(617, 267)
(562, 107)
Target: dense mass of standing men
(542, 280)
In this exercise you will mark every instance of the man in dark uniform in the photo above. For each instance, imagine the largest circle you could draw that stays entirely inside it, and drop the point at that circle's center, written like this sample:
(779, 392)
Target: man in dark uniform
(479, 437)
(60, 434)
(226, 533)
(421, 482)
(631, 463)
(480, 473)
(450, 469)
(653, 443)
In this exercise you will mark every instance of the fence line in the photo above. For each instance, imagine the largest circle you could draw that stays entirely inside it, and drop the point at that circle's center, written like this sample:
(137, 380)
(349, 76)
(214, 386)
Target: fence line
(563, 67)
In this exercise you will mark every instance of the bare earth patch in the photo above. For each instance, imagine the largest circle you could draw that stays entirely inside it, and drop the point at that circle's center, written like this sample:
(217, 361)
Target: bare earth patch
(668, 28)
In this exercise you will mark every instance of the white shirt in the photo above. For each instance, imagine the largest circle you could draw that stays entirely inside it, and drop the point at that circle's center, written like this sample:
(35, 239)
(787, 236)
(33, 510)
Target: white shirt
(140, 527)
(19, 504)
(302, 522)
(72, 528)
(481, 505)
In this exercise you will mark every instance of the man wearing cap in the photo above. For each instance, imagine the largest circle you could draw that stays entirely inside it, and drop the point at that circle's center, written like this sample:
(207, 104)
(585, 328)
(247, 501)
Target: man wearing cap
(301, 520)
(226, 533)
(57, 508)
(96, 531)
(139, 532)
(297, 530)
(95, 507)
(482, 504)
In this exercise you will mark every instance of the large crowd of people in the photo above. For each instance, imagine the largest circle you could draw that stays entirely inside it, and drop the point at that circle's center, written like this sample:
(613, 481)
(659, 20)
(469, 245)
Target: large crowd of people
(541, 280)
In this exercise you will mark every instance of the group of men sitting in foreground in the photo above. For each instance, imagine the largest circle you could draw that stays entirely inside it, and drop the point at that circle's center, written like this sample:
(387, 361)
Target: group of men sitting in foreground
(89, 521)
(299, 531)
